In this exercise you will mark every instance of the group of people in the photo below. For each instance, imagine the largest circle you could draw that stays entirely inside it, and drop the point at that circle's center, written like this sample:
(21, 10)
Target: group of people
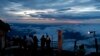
(31, 41)
(30, 44)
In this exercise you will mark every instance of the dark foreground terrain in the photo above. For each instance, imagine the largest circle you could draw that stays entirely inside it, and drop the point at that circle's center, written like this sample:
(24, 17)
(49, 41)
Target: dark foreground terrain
(13, 51)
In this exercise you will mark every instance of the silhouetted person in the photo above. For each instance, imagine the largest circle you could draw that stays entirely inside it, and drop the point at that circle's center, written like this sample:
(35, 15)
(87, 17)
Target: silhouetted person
(48, 41)
(24, 46)
(81, 51)
(16, 40)
(48, 49)
(35, 42)
(20, 45)
(4, 28)
(29, 45)
(35, 45)
(43, 41)
(24, 42)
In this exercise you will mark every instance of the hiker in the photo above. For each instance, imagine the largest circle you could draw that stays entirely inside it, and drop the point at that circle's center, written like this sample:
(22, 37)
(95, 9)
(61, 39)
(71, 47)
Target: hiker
(29, 45)
(43, 41)
(48, 41)
(35, 45)
(35, 42)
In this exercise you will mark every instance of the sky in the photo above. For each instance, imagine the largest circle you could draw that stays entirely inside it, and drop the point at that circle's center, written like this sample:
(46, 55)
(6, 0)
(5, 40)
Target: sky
(50, 11)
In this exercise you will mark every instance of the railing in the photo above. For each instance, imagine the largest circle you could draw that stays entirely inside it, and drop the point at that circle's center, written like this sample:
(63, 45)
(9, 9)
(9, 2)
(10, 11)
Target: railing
(53, 44)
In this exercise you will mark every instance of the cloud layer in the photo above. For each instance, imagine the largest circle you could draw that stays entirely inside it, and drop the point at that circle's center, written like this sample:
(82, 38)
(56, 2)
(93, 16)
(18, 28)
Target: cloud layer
(48, 9)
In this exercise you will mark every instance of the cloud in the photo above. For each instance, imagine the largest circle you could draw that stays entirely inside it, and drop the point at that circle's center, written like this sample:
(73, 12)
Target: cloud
(83, 9)
(57, 9)
(26, 12)
(92, 21)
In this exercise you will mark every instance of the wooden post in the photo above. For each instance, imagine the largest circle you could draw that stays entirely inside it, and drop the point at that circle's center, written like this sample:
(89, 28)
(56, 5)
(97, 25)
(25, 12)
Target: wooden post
(96, 46)
(96, 43)
(59, 40)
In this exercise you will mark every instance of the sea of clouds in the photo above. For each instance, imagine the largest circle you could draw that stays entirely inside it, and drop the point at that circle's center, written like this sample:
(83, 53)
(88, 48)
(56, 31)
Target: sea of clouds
(68, 43)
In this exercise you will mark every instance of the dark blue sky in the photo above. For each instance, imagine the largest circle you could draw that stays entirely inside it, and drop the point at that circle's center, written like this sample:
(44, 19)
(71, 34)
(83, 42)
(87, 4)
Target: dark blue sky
(50, 11)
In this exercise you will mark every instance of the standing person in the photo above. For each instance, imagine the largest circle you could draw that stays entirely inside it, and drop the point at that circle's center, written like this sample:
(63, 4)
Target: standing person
(16, 40)
(48, 49)
(29, 45)
(43, 41)
(48, 41)
(24, 46)
(35, 42)
(35, 45)
(24, 42)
